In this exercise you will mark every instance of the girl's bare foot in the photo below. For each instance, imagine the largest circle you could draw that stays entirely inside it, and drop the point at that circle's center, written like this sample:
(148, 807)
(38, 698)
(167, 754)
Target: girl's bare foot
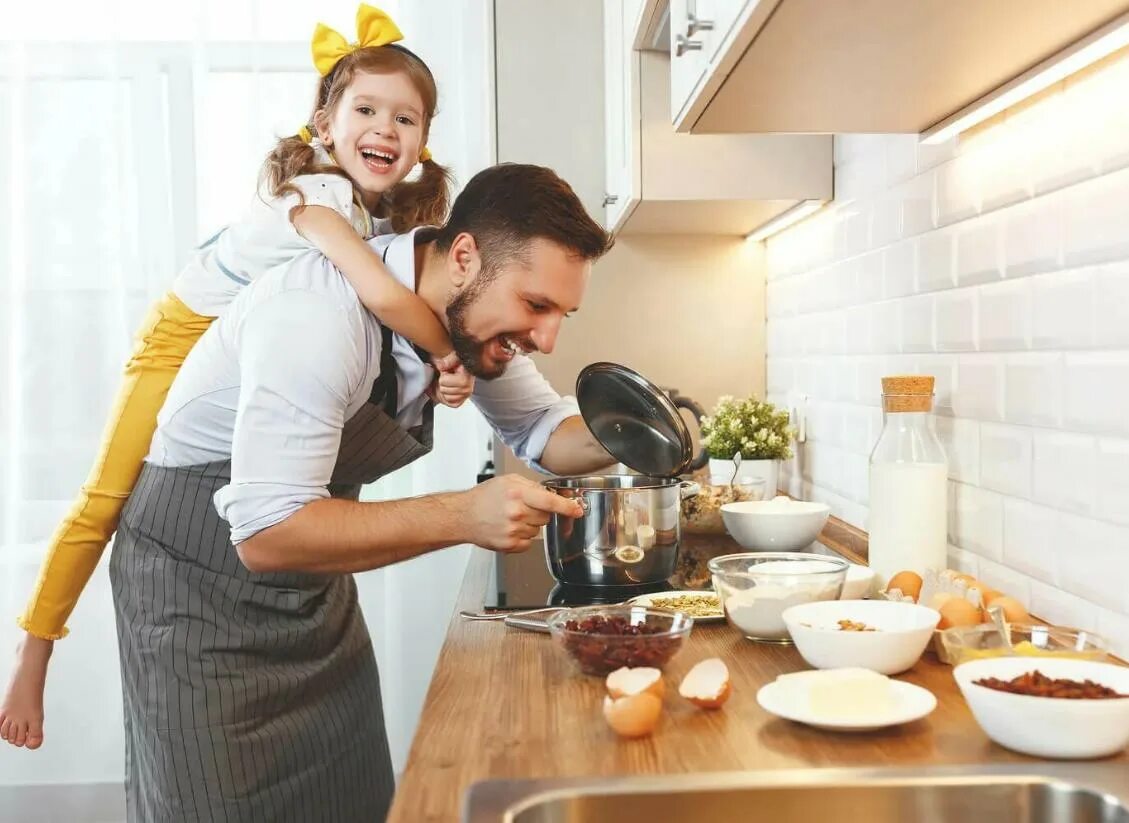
(21, 713)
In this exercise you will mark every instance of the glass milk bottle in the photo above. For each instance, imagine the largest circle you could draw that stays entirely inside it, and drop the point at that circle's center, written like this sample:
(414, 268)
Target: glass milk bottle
(908, 483)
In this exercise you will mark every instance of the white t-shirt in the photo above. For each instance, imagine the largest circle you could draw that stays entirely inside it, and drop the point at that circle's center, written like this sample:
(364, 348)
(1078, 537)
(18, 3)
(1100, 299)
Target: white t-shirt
(271, 384)
(264, 237)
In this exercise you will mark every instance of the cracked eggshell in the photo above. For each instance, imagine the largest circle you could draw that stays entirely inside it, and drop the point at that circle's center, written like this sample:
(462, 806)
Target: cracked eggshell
(624, 682)
(707, 684)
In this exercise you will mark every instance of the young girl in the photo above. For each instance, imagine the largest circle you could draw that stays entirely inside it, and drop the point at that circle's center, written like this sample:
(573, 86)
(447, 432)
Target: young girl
(321, 189)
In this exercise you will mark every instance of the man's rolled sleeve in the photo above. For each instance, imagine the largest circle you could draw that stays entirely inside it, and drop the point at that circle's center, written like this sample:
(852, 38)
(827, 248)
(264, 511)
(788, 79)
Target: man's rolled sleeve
(523, 409)
(298, 363)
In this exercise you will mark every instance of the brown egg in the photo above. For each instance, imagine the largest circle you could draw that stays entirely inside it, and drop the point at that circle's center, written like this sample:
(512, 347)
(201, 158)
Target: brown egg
(958, 612)
(988, 595)
(633, 716)
(967, 579)
(939, 599)
(1014, 612)
(908, 582)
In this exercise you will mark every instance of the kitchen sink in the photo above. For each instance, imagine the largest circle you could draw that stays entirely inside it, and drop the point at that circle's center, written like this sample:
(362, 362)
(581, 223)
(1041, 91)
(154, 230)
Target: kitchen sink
(1036, 793)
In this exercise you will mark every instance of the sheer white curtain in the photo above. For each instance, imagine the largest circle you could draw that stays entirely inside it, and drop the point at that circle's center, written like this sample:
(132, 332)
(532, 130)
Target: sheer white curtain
(134, 130)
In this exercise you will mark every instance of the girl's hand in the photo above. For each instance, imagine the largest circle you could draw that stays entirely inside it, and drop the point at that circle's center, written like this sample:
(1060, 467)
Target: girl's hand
(454, 384)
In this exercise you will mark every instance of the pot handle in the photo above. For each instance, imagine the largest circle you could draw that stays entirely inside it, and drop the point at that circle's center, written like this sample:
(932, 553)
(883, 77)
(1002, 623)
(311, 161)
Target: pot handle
(568, 494)
(695, 409)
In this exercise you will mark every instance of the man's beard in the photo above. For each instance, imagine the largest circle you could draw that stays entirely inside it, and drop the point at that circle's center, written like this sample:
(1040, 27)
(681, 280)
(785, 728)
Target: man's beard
(470, 350)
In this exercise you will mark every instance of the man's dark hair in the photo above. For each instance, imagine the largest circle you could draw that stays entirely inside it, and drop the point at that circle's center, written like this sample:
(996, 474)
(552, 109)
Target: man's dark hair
(506, 206)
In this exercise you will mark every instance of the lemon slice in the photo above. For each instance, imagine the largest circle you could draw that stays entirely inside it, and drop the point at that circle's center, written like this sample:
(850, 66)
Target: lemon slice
(629, 554)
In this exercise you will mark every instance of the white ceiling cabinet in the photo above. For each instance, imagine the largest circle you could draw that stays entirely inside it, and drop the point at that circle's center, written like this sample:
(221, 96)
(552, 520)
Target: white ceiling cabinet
(549, 106)
(621, 109)
(658, 181)
(836, 66)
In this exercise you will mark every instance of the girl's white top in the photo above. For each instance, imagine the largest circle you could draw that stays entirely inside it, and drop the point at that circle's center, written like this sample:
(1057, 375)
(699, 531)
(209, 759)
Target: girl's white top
(263, 237)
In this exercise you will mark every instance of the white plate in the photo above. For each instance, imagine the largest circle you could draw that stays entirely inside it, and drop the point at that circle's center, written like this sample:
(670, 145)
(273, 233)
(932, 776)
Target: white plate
(648, 599)
(910, 703)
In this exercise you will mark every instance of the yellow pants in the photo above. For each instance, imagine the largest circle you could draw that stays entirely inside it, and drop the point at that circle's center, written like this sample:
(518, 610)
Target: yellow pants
(168, 334)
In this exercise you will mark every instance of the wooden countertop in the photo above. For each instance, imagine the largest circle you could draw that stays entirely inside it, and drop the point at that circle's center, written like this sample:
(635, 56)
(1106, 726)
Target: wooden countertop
(506, 703)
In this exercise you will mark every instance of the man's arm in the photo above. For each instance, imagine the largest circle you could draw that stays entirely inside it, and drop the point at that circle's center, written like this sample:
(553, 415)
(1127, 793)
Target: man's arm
(543, 428)
(300, 362)
(338, 536)
(572, 449)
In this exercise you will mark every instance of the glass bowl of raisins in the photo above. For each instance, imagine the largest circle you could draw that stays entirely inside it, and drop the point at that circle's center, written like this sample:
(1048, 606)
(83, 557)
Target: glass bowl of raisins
(601, 639)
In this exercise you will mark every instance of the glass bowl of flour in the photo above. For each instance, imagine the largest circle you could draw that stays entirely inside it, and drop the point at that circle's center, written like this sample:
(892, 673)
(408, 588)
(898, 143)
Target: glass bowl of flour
(756, 587)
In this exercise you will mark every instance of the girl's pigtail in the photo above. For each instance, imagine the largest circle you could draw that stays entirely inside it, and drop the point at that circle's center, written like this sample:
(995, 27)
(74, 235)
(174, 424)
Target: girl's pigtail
(422, 202)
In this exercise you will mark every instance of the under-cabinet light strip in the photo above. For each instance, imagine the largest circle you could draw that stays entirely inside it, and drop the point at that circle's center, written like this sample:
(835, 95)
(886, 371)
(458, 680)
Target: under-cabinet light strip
(1090, 49)
(788, 218)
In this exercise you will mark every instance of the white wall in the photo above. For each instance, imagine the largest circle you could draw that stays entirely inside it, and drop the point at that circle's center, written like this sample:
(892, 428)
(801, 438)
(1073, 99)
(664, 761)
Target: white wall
(1000, 264)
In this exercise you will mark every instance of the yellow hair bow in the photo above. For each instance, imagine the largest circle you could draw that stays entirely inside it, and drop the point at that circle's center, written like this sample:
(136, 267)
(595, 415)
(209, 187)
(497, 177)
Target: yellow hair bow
(425, 155)
(374, 28)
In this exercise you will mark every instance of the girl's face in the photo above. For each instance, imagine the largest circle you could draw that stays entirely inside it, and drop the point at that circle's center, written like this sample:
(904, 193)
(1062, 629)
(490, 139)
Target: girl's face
(376, 131)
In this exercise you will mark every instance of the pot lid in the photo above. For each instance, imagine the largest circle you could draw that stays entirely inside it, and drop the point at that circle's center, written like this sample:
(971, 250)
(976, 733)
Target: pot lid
(634, 420)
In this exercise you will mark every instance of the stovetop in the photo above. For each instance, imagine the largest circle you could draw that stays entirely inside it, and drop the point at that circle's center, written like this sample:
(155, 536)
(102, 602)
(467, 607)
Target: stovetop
(523, 581)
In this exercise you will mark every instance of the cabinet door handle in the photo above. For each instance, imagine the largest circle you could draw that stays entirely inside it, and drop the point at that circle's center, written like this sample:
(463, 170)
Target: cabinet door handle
(695, 25)
(609, 199)
(683, 45)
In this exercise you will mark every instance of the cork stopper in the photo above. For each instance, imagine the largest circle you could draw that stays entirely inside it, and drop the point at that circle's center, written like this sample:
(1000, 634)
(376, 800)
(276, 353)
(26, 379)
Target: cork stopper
(907, 393)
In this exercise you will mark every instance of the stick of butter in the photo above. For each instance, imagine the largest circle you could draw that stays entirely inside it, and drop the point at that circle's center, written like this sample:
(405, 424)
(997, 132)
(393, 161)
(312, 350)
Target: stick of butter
(843, 694)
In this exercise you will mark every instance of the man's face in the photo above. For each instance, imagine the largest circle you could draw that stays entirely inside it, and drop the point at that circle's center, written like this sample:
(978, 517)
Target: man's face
(519, 308)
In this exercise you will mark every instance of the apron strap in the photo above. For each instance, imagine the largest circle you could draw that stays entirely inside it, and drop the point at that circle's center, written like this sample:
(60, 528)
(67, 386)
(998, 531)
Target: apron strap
(385, 390)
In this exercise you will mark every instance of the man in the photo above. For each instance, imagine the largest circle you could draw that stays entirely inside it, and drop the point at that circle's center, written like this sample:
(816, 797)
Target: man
(251, 690)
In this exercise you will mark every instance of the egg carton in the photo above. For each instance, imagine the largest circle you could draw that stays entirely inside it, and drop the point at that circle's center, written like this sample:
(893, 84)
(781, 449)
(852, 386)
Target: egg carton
(947, 584)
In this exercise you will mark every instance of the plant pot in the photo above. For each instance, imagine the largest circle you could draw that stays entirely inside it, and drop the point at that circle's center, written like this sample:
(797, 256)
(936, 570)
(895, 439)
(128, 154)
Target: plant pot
(721, 470)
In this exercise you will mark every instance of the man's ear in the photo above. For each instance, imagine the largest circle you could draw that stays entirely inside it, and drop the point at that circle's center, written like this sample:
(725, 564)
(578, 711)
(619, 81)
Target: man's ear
(464, 259)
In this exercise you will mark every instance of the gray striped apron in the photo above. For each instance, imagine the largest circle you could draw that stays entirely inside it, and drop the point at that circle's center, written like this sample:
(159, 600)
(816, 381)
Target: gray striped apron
(250, 697)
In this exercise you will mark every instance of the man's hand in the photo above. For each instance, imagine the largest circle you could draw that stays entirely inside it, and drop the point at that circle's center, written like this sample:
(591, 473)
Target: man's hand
(453, 384)
(506, 513)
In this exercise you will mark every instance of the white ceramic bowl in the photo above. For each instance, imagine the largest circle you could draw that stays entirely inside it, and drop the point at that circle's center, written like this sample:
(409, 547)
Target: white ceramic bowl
(904, 630)
(1045, 726)
(859, 584)
(780, 525)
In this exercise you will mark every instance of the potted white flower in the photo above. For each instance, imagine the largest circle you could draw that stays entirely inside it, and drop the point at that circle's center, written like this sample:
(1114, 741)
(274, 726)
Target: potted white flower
(755, 428)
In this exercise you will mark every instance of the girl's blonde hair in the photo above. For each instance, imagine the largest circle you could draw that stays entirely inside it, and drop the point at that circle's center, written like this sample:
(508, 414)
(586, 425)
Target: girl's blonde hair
(423, 202)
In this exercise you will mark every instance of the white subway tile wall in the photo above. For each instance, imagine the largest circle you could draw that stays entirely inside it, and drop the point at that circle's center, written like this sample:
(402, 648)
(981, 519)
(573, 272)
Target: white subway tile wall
(999, 263)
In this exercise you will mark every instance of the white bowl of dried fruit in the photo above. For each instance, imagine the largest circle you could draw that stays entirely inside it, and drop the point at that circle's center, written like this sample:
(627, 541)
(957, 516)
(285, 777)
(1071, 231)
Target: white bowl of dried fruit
(1049, 707)
(879, 635)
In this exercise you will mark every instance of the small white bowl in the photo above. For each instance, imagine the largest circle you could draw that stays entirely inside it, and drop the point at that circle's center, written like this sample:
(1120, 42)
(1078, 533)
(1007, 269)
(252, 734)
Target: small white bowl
(1050, 727)
(779, 525)
(904, 630)
(859, 584)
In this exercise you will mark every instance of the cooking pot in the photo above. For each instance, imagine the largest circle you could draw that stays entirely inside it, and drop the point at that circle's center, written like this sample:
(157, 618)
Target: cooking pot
(628, 535)
(631, 528)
